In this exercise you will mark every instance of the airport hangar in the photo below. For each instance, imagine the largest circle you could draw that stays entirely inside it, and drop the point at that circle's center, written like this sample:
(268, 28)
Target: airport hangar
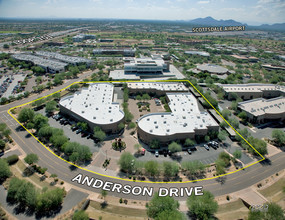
(184, 121)
(94, 105)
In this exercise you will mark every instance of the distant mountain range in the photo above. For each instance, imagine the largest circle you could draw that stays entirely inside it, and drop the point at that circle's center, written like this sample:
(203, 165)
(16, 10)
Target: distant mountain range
(209, 21)
(213, 22)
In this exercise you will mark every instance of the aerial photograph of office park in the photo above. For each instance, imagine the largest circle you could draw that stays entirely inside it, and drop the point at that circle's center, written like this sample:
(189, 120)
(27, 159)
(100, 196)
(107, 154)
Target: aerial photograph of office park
(142, 109)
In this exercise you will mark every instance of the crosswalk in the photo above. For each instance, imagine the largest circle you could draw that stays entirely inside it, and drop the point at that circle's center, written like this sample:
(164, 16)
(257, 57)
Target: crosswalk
(7, 119)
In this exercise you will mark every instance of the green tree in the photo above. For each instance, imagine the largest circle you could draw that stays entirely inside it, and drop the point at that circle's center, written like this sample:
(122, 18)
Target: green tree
(159, 204)
(278, 137)
(50, 107)
(125, 162)
(58, 140)
(154, 144)
(151, 168)
(104, 193)
(174, 147)
(74, 87)
(99, 134)
(237, 154)
(242, 115)
(80, 215)
(121, 126)
(26, 115)
(2, 145)
(170, 169)
(226, 113)
(189, 142)
(222, 135)
(202, 207)
(31, 159)
(170, 215)
(50, 200)
(4, 170)
(220, 166)
(83, 126)
(274, 212)
(234, 122)
(132, 125)
(26, 195)
(40, 121)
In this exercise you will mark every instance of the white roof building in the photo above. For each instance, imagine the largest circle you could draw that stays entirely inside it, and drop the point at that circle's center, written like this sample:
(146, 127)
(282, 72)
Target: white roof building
(200, 53)
(185, 118)
(212, 68)
(94, 104)
(159, 86)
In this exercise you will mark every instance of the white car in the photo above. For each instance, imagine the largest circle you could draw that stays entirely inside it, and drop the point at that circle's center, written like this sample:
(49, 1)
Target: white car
(156, 153)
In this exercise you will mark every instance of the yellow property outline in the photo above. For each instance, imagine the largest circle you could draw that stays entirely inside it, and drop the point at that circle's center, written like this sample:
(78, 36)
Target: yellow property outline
(113, 177)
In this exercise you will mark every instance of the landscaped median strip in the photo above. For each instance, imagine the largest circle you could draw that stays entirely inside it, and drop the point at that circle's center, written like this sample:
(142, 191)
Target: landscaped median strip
(9, 112)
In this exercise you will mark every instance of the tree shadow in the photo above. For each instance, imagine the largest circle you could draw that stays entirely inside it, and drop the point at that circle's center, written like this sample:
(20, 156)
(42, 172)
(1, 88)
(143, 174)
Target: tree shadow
(104, 205)
(72, 168)
(221, 180)
(266, 162)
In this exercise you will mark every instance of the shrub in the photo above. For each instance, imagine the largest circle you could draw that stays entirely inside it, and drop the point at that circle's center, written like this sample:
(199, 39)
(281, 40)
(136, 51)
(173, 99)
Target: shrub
(12, 159)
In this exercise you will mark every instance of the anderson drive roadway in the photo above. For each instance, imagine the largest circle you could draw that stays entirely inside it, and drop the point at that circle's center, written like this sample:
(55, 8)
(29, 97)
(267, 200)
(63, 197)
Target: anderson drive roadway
(228, 184)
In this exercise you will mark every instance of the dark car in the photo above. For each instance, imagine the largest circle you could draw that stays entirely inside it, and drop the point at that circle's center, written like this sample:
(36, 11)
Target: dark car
(78, 131)
(189, 151)
(74, 128)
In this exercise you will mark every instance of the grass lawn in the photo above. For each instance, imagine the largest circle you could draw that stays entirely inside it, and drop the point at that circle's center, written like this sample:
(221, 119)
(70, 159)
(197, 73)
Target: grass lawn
(275, 192)
(232, 210)
(275, 188)
(114, 212)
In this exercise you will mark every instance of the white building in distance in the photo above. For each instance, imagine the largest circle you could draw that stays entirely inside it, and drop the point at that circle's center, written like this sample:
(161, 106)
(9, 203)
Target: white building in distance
(94, 105)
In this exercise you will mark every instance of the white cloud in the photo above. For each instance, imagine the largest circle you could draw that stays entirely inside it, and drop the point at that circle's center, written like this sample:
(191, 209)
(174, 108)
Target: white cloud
(203, 2)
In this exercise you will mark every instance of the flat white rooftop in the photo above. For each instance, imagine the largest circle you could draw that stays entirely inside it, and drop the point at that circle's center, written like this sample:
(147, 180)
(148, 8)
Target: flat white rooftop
(162, 86)
(252, 87)
(258, 107)
(184, 118)
(95, 104)
(212, 68)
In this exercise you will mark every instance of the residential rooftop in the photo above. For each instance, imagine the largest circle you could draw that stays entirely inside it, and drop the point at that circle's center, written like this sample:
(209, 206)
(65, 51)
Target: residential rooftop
(185, 117)
(263, 106)
(95, 104)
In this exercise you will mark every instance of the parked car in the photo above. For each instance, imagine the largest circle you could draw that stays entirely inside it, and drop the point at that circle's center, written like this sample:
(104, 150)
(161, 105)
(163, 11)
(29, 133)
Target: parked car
(165, 153)
(143, 151)
(206, 147)
(78, 131)
(156, 153)
(189, 151)
(89, 136)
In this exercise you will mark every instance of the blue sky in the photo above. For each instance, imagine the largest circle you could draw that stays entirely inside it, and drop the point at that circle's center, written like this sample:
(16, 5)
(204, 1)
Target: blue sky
(250, 11)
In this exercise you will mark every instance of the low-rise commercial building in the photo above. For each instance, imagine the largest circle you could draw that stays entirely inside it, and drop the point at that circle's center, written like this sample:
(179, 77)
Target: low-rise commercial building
(184, 121)
(159, 88)
(82, 37)
(94, 105)
(261, 110)
(212, 68)
(50, 66)
(127, 52)
(64, 58)
(146, 66)
(200, 53)
(252, 90)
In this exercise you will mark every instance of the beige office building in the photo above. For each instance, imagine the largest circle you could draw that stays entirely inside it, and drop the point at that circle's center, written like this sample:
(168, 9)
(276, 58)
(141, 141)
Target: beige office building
(262, 110)
(253, 90)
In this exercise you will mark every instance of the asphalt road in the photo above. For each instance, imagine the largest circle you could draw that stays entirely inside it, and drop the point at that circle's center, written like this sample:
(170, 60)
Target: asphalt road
(228, 184)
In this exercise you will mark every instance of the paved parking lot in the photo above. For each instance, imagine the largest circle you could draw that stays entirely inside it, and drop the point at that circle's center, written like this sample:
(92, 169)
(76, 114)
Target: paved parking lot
(72, 134)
